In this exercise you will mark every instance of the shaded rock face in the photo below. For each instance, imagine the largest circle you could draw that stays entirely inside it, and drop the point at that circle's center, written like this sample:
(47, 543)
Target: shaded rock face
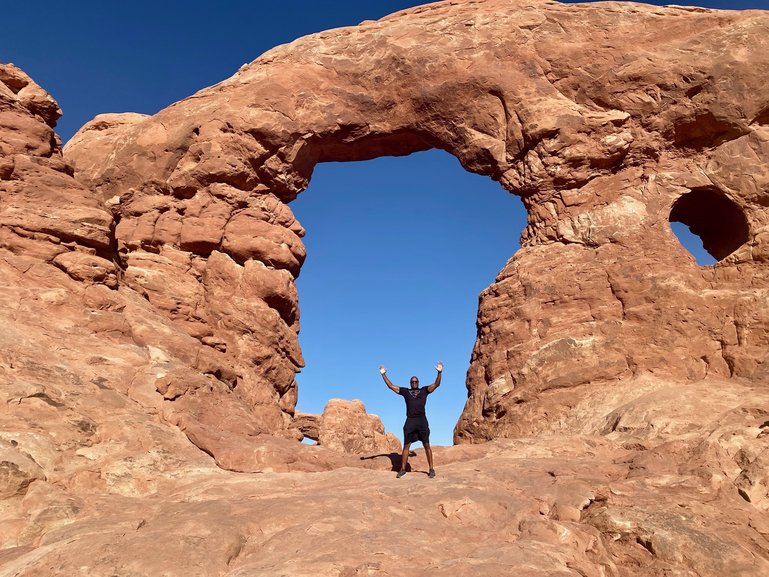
(606, 141)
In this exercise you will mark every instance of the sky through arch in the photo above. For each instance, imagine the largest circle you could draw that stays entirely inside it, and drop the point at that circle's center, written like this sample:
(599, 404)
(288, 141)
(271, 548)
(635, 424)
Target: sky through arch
(398, 250)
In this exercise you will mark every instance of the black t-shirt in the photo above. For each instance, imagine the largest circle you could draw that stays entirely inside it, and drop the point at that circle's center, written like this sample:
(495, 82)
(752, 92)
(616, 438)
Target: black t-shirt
(415, 400)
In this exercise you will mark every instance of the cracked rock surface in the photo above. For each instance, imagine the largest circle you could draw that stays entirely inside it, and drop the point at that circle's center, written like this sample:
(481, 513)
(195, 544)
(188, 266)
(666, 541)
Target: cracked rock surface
(616, 421)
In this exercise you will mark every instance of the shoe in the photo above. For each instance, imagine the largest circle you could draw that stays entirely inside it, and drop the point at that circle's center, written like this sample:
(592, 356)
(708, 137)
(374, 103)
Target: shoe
(400, 474)
(431, 474)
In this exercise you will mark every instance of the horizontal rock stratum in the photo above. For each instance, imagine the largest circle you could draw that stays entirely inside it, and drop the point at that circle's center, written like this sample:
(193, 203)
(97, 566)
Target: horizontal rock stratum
(617, 418)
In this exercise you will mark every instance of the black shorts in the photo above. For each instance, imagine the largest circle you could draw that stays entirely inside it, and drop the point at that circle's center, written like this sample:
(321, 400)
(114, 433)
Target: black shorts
(416, 429)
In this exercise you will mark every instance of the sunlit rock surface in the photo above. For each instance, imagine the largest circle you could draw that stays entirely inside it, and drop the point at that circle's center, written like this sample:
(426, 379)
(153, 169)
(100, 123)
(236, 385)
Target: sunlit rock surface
(150, 316)
(346, 427)
(607, 119)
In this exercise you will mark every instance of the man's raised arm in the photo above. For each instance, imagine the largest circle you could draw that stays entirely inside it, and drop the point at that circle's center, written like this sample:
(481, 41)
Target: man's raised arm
(383, 372)
(437, 383)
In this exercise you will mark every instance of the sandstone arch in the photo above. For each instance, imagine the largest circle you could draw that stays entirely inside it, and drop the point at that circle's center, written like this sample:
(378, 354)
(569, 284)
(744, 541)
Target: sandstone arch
(599, 327)
(589, 135)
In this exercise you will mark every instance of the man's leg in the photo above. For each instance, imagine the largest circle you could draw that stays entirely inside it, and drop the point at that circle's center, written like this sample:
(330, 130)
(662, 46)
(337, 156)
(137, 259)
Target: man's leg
(424, 436)
(429, 453)
(404, 459)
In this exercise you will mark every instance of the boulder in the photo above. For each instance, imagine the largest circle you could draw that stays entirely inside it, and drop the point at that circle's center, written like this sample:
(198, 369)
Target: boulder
(345, 426)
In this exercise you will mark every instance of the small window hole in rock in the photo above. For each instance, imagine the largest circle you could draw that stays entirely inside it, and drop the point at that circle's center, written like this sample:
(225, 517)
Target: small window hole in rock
(709, 225)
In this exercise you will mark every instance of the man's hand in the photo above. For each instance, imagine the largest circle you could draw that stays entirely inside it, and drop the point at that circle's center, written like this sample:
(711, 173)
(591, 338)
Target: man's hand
(383, 372)
(437, 383)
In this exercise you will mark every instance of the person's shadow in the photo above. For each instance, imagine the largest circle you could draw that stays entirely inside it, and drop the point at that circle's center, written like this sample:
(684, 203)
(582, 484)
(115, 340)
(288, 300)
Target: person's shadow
(395, 459)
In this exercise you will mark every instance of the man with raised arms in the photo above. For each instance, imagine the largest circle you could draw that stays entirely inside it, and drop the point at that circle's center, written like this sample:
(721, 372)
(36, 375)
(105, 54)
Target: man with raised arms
(416, 427)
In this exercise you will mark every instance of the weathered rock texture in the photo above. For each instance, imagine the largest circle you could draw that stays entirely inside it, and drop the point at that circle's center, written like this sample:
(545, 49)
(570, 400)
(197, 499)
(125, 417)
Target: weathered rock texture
(636, 502)
(608, 120)
(346, 427)
(149, 301)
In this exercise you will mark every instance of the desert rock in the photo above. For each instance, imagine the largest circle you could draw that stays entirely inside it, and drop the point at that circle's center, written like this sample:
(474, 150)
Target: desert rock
(345, 426)
(605, 140)
(616, 421)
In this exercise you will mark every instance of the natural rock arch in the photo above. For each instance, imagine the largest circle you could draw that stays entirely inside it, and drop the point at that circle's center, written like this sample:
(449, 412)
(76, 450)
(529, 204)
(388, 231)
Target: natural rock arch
(110, 367)
(590, 139)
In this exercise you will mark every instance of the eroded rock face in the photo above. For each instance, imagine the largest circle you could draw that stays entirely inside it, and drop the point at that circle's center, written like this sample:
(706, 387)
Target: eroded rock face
(604, 139)
(45, 213)
(82, 332)
(150, 316)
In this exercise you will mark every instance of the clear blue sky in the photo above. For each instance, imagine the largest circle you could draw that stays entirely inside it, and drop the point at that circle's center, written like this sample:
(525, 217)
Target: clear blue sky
(398, 248)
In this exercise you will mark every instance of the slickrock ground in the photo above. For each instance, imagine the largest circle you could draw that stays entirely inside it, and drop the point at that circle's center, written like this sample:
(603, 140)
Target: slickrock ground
(149, 314)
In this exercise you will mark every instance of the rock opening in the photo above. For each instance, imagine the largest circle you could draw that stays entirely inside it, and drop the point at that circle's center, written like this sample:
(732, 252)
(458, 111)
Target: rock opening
(429, 236)
(715, 219)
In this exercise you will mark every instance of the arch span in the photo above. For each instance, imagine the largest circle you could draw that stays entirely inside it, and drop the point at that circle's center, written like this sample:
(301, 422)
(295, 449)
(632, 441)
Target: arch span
(587, 138)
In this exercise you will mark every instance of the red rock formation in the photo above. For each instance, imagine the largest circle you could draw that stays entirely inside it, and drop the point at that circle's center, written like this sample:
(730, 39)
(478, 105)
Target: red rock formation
(346, 427)
(151, 302)
(46, 214)
(605, 141)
